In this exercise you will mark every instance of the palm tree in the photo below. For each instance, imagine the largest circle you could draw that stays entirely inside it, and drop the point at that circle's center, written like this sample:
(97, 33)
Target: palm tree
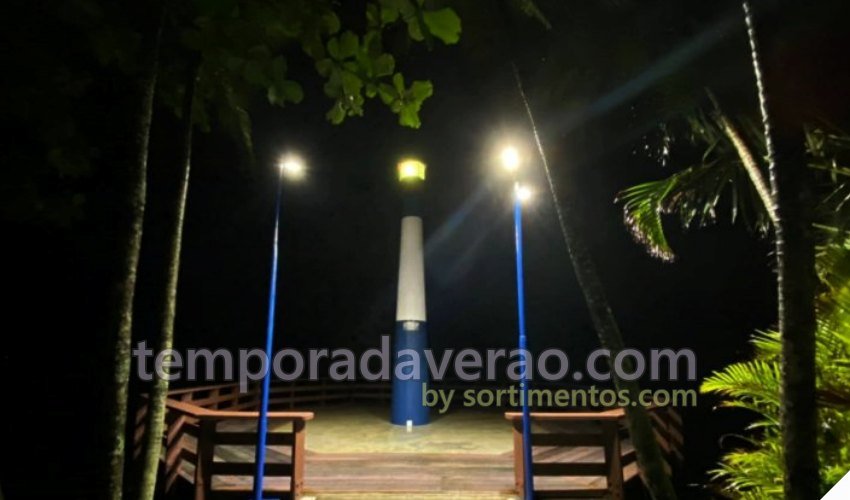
(651, 461)
(795, 256)
(694, 193)
(755, 470)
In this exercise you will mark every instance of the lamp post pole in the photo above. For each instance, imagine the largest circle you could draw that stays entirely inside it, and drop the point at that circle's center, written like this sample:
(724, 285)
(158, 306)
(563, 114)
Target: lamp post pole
(262, 419)
(290, 168)
(511, 161)
(528, 494)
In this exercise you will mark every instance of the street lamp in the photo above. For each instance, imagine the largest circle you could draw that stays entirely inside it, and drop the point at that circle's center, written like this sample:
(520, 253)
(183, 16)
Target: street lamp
(411, 314)
(290, 168)
(511, 161)
(510, 158)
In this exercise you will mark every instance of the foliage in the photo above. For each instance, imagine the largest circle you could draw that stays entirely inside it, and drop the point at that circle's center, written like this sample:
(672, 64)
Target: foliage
(247, 47)
(696, 194)
(719, 182)
(754, 471)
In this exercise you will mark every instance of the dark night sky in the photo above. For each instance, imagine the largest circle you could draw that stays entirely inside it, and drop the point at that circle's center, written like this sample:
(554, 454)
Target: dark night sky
(341, 228)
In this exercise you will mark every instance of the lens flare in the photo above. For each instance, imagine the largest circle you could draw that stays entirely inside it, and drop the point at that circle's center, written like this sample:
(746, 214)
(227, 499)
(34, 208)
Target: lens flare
(510, 158)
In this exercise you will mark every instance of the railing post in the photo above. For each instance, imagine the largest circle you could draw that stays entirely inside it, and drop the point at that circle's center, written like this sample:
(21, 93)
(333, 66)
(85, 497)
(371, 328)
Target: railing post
(613, 458)
(205, 451)
(299, 436)
(214, 394)
(519, 467)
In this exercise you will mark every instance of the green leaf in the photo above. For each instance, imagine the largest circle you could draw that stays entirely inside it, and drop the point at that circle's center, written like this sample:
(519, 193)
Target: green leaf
(287, 90)
(351, 83)
(330, 23)
(313, 46)
(414, 30)
(398, 83)
(336, 114)
(421, 90)
(372, 43)
(371, 90)
(443, 24)
(293, 91)
(409, 117)
(387, 93)
(333, 48)
(324, 67)
(373, 16)
(384, 65)
(389, 12)
(348, 45)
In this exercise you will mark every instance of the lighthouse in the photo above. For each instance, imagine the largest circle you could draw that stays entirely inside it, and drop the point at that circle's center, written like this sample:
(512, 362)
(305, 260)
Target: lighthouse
(410, 326)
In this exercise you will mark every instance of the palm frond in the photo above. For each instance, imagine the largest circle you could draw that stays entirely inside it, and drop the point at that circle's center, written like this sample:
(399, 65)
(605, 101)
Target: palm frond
(756, 382)
(753, 473)
(693, 196)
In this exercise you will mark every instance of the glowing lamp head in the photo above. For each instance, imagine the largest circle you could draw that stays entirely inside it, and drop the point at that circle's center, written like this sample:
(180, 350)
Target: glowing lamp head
(411, 170)
(292, 168)
(510, 158)
(523, 193)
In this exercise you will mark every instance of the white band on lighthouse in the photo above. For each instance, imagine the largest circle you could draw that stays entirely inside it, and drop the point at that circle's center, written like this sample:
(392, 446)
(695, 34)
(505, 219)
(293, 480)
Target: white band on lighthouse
(410, 305)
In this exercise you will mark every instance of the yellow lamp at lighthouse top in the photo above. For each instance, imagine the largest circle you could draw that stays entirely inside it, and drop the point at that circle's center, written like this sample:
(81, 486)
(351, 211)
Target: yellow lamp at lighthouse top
(411, 170)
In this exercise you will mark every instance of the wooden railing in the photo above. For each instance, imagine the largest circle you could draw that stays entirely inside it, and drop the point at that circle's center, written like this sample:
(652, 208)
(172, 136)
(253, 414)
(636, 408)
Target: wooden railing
(200, 419)
(605, 430)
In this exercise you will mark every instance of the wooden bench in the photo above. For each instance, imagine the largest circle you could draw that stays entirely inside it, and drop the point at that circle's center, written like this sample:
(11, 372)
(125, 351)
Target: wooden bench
(593, 447)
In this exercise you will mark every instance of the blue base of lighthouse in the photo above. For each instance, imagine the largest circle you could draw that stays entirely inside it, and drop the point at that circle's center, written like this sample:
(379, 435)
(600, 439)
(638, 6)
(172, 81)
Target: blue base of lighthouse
(407, 401)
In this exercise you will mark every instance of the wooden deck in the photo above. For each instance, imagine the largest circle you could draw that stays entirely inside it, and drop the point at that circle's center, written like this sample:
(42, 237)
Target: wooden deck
(349, 450)
(391, 461)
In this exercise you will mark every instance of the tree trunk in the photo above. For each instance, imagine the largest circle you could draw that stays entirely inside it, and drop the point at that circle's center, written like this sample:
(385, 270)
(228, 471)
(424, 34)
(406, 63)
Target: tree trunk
(650, 459)
(125, 286)
(159, 392)
(795, 258)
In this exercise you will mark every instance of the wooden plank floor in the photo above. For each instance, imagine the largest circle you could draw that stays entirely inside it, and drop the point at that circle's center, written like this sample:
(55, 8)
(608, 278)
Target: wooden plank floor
(404, 465)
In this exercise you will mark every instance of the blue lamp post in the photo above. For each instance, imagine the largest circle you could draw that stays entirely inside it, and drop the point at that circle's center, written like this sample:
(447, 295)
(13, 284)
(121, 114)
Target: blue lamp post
(511, 161)
(293, 169)
(411, 315)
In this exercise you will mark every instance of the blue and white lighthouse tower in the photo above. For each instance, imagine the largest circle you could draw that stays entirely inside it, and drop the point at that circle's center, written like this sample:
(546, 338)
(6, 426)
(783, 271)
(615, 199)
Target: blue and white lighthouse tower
(411, 318)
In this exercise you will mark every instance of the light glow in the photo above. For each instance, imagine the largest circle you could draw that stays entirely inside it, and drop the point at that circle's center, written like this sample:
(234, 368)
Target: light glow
(523, 193)
(411, 169)
(510, 158)
(292, 168)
